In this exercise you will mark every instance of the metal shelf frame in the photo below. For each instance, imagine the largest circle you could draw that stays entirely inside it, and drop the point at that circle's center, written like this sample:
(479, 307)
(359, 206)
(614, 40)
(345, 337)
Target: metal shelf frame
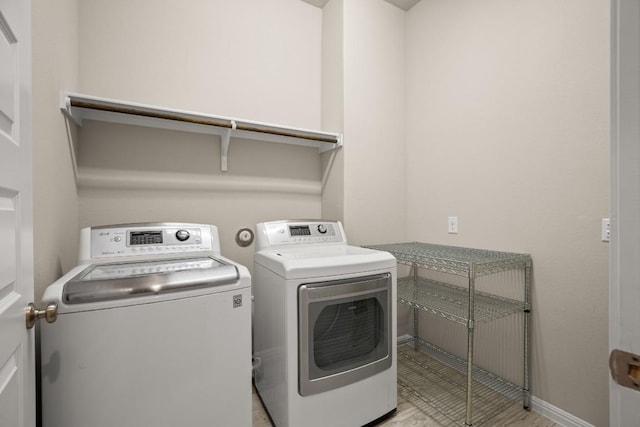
(452, 303)
(463, 305)
(433, 380)
(454, 259)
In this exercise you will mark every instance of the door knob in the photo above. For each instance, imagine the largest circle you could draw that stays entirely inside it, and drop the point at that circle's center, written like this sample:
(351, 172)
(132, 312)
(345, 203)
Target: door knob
(32, 314)
(625, 368)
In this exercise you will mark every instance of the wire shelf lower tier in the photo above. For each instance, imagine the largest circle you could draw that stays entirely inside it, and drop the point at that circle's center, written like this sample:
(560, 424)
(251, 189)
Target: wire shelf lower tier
(435, 382)
(452, 302)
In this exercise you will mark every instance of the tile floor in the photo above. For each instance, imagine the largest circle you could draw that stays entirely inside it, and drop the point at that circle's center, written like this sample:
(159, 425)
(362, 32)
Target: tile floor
(409, 415)
(441, 384)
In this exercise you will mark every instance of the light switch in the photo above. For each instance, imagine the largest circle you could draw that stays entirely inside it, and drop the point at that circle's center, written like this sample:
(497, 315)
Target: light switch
(453, 225)
(606, 230)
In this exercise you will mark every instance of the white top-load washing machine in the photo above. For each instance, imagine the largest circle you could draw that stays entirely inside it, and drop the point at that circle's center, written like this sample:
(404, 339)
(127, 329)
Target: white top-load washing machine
(153, 329)
(324, 326)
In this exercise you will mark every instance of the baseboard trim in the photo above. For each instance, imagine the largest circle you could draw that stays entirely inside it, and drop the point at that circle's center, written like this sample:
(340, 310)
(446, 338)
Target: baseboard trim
(556, 414)
(403, 339)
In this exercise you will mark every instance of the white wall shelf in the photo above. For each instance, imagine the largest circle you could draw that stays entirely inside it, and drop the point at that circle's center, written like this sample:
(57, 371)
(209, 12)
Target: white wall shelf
(79, 107)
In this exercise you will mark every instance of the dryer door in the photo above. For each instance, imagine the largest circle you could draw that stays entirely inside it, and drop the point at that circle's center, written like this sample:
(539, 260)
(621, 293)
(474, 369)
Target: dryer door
(344, 330)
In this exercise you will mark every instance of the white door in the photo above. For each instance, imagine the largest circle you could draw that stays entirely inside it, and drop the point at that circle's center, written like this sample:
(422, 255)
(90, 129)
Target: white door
(624, 304)
(17, 355)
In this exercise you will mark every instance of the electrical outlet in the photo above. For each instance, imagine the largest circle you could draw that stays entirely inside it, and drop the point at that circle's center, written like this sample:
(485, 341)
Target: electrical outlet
(452, 225)
(606, 230)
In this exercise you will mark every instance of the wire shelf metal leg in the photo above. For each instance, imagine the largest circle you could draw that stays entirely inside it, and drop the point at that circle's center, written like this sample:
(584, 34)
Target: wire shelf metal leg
(416, 311)
(470, 329)
(526, 392)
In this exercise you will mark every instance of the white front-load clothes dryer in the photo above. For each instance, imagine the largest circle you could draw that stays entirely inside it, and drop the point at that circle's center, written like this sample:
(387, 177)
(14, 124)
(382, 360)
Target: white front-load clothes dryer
(153, 329)
(324, 326)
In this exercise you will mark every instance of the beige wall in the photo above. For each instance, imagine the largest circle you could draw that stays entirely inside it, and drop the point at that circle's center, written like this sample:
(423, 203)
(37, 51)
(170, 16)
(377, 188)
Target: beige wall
(374, 122)
(508, 130)
(363, 91)
(248, 59)
(333, 105)
(494, 112)
(54, 66)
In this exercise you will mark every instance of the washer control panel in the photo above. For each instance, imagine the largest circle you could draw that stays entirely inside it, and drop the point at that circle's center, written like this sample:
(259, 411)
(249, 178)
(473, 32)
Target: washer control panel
(149, 239)
(303, 232)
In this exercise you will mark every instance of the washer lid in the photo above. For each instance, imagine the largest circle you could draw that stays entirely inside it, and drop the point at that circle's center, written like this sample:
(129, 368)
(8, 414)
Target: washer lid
(106, 282)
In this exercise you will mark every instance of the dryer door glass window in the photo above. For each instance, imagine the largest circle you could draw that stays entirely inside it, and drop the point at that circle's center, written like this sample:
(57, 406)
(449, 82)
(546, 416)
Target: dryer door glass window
(344, 332)
(347, 333)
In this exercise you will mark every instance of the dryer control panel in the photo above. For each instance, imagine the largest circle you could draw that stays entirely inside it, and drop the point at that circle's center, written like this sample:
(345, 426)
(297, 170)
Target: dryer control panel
(299, 232)
(149, 240)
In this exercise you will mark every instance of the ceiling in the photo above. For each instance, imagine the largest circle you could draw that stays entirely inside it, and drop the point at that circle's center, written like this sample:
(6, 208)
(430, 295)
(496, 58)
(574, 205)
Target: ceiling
(402, 4)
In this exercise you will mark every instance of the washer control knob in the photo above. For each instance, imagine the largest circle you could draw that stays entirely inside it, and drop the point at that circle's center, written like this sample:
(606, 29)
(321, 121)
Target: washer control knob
(182, 235)
(322, 228)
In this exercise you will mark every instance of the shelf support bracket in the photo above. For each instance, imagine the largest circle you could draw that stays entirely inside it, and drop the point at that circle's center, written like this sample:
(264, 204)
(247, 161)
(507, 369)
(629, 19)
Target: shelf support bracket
(66, 108)
(225, 138)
